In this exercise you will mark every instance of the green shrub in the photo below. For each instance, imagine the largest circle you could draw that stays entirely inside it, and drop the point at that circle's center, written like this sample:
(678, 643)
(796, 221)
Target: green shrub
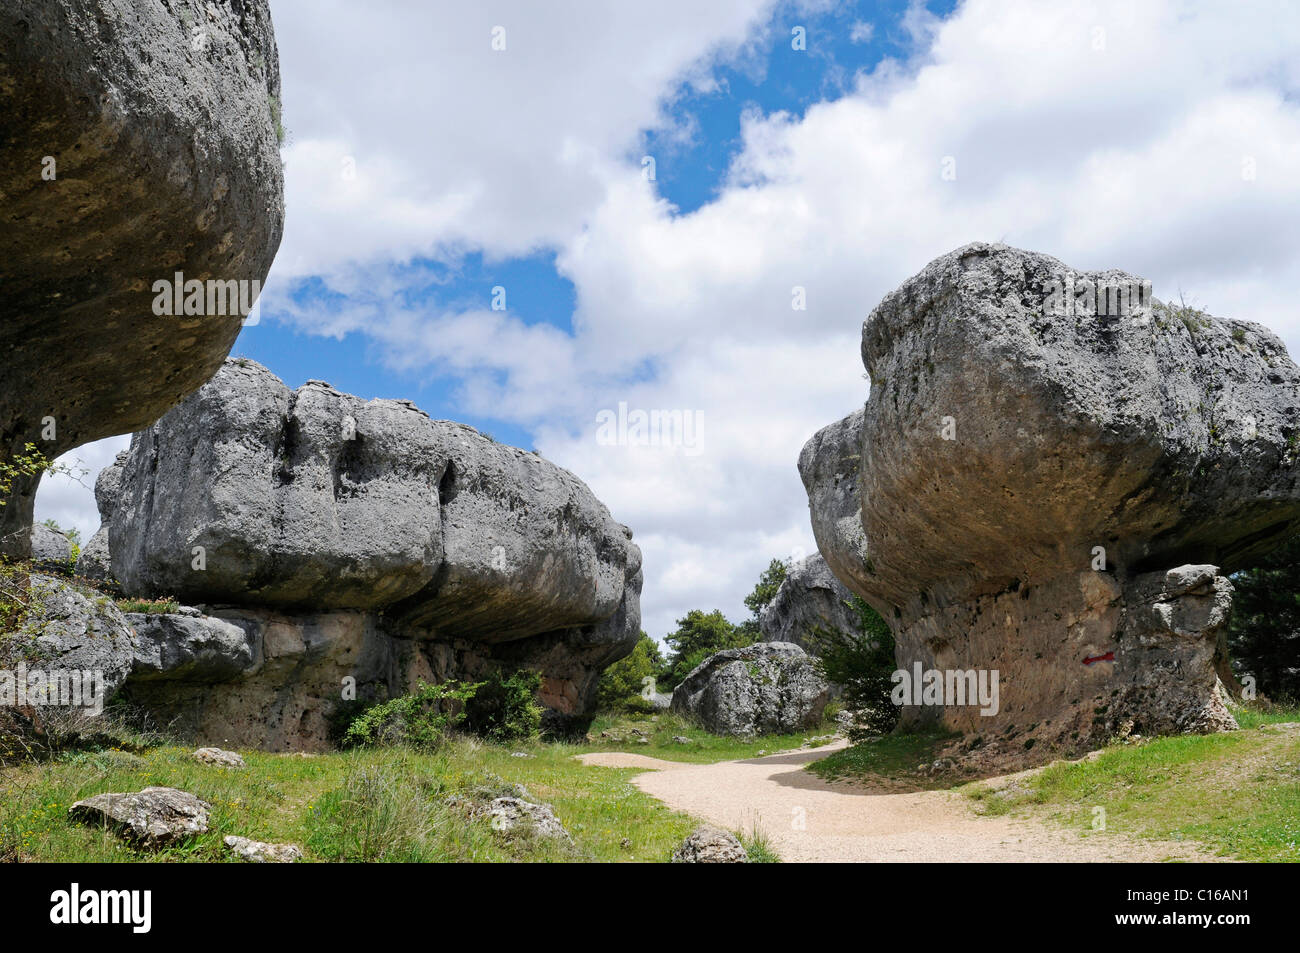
(420, 719)
(621, 684)
(862, 662)
(505, 708)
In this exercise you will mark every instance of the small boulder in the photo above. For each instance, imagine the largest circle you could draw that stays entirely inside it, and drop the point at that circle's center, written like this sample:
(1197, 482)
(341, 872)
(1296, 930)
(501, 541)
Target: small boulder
(154, 817)
(509, 815)
(259, 852)
(50, 547)
(711, 845)
(765, 688)
(218, 757)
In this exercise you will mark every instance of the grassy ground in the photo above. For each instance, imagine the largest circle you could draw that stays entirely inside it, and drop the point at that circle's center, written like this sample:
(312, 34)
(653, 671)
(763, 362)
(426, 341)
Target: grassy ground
(619, 733)
(377, 805)
(890, 761)
(1238, 793)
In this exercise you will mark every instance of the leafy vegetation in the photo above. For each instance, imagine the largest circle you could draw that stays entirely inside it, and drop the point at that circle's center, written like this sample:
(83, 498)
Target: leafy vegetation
(621, 685)
(699, 635)
(862, 662)
(504, 707)
(420, 719)
(1264, 631)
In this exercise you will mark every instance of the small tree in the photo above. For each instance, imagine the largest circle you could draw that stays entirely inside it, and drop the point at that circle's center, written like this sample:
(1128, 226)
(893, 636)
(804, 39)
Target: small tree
(620, 684)
(1264, 632)
(862, 662)
(699, 635)
(764, 592)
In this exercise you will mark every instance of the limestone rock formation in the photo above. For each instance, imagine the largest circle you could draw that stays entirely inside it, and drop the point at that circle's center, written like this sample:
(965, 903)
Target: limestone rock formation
(140, 141)
(92, 561)
(1042, 454)
(809, 598)
(154, 817)
(260, 852)
(765, 688)
(711, 845)
(70, 628)
(50, 548)
(334, 538)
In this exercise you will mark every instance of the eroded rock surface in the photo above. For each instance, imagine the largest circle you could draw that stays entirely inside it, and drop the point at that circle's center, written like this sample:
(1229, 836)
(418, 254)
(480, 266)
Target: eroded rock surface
(711, 845)
(810, 598)
(154, 817)
(1039, 462)
(765, 688)
(140, 140)
(351, 539)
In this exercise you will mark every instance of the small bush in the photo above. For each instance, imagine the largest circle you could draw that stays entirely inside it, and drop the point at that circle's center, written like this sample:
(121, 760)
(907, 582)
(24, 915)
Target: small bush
(420, 719)
(505, 708)
(863, 663)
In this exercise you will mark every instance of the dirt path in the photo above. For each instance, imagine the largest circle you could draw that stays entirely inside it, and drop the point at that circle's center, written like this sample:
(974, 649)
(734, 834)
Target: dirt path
(808, 819)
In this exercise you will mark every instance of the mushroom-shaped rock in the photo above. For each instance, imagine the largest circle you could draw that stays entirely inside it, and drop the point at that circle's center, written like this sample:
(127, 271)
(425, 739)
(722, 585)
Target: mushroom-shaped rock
(140, 152)
(1041, 446)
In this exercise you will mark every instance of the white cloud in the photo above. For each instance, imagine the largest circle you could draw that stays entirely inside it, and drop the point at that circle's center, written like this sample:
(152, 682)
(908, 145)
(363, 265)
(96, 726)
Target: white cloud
(68, 497)
(1108, 134)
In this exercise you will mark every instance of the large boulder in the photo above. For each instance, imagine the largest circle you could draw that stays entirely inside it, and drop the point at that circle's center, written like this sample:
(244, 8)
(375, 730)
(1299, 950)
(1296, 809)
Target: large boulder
(140, 141)
(93, 560)
(809, 598)
(70, 629)
(765, 688)
(361, 539)
(1043, 450)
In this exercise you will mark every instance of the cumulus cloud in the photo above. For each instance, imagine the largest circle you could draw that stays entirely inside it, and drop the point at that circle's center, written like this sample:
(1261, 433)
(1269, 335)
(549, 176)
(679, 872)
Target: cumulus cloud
(1163, 138)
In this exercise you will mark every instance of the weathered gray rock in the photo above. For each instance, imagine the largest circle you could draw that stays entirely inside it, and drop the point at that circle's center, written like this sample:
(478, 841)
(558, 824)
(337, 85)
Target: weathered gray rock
(316, 499)
(219, 758)
(188, 648)
(809, 598)
(93, 562)
(360, 539)
(512, 815)
(69, 629)
(1029, 454)
(260, 852)
(154, 817)
(140, 141)
(829, 465)
(710, 845)
(50, 548)
(765, 688)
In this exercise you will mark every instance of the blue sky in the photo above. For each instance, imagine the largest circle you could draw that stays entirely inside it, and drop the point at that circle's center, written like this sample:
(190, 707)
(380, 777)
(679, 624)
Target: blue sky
(424, 167)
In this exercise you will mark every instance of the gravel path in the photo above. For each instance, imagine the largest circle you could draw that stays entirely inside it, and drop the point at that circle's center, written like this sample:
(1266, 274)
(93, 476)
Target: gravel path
(808, 819)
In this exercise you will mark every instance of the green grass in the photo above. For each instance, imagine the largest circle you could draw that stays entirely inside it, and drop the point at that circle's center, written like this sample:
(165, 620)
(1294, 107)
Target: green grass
(382, 804)
(701, 748)
(892, 757)
(1238, 792)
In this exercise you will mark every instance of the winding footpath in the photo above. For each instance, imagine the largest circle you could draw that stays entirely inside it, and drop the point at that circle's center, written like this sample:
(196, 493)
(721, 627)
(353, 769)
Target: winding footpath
(807, 819)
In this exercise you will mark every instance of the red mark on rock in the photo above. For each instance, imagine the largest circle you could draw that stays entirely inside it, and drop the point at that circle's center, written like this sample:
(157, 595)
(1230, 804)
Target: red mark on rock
(1108, 657)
